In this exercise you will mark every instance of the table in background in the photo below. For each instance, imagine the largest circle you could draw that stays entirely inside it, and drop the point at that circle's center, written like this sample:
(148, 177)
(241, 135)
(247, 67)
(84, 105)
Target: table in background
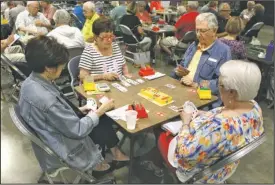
(180, 94)
(167, 13)
(264, 65)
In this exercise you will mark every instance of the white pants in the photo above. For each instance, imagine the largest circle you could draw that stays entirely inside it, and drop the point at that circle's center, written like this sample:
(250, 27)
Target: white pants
(15, 54)
(146, 43)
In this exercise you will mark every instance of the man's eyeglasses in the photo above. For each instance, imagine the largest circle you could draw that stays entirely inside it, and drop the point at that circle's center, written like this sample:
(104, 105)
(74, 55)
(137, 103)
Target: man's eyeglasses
(202, 30)
(106, 38)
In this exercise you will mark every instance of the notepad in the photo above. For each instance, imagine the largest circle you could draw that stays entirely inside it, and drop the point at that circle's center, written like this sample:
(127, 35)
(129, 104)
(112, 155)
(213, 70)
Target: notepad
(173, 127)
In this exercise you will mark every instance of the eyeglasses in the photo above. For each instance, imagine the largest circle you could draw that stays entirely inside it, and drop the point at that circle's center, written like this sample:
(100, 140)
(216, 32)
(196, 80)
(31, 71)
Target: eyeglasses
(106, 38)
(202, 30)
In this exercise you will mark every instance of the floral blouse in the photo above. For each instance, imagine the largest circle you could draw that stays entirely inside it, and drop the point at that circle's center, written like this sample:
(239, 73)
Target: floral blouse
(237, 48)
(212, 136)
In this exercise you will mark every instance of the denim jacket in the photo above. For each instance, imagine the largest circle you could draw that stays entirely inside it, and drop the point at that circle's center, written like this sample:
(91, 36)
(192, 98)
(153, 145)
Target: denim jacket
(209, 64)
(58, 126)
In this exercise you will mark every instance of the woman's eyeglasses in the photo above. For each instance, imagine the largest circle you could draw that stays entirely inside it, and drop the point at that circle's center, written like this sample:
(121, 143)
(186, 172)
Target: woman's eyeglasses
(107, 38)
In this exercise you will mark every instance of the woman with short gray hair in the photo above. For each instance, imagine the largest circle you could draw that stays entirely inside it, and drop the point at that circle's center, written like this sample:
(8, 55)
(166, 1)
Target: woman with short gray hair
(69, 36)
(212, 135)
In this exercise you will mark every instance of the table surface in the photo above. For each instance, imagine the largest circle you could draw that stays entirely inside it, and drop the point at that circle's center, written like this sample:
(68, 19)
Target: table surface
(253, 52)
(180, 94)
(166, 28)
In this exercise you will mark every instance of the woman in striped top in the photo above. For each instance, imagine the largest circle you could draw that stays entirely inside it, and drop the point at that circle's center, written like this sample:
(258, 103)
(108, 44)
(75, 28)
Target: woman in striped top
(103, 58)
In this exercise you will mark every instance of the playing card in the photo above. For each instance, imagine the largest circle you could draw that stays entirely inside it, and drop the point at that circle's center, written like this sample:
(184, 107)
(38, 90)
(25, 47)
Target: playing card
(104, 99)
(174, 108)
(126, 84)
(170, 86)
(91, 104)
(119, 87)
(140, 81)
(189, 107)
(132, 82)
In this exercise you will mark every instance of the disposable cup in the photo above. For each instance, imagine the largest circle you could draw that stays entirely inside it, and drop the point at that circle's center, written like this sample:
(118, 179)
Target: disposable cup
(131, 119)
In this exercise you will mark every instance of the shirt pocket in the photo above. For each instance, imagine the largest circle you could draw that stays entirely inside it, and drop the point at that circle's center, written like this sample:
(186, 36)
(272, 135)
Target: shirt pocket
(208, 69)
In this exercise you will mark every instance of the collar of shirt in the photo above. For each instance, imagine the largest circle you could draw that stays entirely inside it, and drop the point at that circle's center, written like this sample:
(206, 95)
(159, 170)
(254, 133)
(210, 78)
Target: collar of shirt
(208, 49)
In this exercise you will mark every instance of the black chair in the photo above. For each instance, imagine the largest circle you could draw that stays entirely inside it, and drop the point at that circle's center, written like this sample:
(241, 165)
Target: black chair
(254, 30)
(27, 131)
(19, 71)
(75, 21)
(179, 50)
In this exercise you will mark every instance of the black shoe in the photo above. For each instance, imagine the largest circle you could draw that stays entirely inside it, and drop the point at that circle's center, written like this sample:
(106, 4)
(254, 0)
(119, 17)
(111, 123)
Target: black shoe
(119, 164)
(98, 174)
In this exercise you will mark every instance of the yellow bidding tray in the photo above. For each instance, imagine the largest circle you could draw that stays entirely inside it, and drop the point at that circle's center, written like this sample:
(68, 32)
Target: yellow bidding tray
(155, 96)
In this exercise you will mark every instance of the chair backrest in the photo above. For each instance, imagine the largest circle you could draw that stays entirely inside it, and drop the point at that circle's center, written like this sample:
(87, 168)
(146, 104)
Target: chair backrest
(230, 158)
(17, 73)
(125, 30)
(255, 28)
(76, 20)
(190, 36)
(74, 69)
(27, 130)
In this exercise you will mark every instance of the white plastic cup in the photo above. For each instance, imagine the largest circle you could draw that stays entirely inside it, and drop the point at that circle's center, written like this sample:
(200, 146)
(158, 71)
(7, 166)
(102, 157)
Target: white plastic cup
(131, 119)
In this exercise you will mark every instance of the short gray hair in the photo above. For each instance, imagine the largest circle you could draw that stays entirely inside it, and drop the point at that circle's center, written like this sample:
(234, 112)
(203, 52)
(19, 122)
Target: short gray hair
(222, 5)
(90, 5)
(251, 2)
(61, 16)
(242, 76)
(210, 18)
(193, 4)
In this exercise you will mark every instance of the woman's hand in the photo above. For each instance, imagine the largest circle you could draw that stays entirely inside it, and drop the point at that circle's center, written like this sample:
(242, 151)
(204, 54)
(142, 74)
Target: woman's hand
(186, 117)
(84, 109)
(110, 76)
(110, 104)
(128, 75)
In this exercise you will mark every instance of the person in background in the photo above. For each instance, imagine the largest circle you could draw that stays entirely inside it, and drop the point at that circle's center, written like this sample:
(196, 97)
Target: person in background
(78, 11)
(32, 21)
(13, 53)
(248, 13)
(103, 58)
(224, 15)
(147, 7)
(91, 16)
(217, 133)
(48, 9)
(117, 13)
(212, 8)
(185, 23)
(115, 3)
(132, 21)
(71, 37)
(10, 5)
(19, 7)
(156, 5)
(203, 59)
(142, 14)
(233, 28)
(258, 17)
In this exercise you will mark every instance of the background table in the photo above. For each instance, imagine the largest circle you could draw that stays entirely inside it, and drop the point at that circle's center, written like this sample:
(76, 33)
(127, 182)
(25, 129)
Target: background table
(180, 94)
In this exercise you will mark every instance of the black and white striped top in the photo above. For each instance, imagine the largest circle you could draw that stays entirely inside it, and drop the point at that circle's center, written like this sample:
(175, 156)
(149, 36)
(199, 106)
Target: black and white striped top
(96, 63)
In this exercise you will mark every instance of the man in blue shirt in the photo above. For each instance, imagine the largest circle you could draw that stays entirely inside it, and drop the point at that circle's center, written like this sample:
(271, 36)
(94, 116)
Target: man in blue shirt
(78, 11)
(202, 60)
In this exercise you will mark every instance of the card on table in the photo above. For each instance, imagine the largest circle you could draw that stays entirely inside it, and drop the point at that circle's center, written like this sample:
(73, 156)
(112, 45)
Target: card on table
(170, 86)
(119, 87)
(103, 99)
(173, 108)
(140, 81)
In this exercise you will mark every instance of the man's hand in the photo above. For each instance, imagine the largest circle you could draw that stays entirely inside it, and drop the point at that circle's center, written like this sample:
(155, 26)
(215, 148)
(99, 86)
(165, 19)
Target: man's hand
(205, 83)
(186, 81)
(110, 104)
(110, 76)
(84, 109)
(38, 23)
(181, 71)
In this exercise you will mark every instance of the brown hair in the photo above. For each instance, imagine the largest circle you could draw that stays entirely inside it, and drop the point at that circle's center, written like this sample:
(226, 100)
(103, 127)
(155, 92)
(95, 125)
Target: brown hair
(234, 25)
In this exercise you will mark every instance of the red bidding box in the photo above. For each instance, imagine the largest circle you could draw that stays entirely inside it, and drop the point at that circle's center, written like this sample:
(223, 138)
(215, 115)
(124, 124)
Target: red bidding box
(140, 110)
(147, 71)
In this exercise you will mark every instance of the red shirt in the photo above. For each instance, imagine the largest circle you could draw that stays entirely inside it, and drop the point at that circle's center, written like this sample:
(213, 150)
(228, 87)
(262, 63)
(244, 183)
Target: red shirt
(186, 22)
(156, 4)
(145, 17)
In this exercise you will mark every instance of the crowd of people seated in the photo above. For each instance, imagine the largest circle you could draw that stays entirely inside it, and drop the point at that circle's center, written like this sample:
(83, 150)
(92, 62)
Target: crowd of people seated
(216, 59)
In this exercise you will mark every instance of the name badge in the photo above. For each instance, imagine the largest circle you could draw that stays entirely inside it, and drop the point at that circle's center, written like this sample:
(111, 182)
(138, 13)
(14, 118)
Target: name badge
(212, 59)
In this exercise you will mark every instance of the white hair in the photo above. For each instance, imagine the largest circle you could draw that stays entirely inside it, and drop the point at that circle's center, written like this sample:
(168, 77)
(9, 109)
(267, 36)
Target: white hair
(61, 16)
(181, 10)
(31, 2)
(251, 2)
(242, 76)
(193, 4)
(90, 5)
(210, 18)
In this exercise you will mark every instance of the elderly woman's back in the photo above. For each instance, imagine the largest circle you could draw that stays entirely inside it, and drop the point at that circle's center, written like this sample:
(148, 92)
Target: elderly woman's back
(215, 134)
(69, 36)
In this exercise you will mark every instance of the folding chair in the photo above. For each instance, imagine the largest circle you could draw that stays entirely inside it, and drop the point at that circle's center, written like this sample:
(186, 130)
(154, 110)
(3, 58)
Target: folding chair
(254, 30)
(25, 129)
(19, 72)
(75, 21)
(131, 48)
(179, 50)
(74, 73)
(233, 157)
